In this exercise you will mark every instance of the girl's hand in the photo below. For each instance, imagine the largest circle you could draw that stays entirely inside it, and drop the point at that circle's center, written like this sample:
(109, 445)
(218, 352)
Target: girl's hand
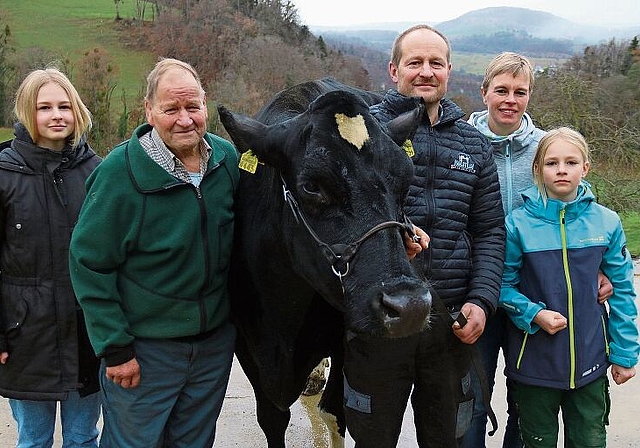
(605, 288)
(622, 374)
(550, 321)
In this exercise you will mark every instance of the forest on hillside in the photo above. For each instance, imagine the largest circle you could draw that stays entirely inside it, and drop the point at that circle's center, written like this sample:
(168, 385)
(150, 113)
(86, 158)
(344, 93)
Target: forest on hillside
(248, 50)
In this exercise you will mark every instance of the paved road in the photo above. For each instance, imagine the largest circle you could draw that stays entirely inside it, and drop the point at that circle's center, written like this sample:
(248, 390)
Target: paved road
(237, 426)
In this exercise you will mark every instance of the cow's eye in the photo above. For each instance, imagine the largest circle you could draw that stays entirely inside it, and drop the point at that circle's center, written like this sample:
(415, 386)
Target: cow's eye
(311, 189)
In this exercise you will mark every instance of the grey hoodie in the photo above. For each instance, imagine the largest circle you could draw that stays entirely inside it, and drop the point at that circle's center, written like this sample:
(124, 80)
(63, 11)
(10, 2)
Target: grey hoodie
(513, 155)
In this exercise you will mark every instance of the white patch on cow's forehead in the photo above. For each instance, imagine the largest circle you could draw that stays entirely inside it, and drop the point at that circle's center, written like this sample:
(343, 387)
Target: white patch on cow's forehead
(352, 129)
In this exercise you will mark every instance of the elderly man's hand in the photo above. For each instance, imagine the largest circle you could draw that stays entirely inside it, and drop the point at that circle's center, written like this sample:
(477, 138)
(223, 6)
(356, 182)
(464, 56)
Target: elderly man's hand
(126, 375)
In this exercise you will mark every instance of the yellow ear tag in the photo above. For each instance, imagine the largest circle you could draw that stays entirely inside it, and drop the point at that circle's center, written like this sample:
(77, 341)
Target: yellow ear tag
(408, 148)
(248, 162)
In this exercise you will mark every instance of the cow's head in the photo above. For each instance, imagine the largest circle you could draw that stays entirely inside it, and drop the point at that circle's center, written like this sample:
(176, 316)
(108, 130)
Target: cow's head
(346, 174)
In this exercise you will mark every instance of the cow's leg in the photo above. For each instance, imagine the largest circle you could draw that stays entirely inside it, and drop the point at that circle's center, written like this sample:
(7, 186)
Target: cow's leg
(272, 420)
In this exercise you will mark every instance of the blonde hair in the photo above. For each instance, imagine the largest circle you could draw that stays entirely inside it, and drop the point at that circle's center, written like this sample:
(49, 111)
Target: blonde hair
(25, 106)
(162, 67)
(508, 62)
(396, 49)
(564, 133)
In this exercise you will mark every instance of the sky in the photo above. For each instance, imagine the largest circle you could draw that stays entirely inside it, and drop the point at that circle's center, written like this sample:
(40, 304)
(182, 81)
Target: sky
(350, 12)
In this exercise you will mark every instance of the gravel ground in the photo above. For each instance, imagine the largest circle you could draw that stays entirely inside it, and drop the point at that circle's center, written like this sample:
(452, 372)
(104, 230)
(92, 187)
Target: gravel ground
(237, 426)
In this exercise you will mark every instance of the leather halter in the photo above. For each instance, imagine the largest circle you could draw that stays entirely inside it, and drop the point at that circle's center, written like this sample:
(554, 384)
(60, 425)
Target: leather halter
(340, 255)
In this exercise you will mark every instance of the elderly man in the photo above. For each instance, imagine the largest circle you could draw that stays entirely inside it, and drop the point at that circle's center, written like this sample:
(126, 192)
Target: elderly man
(149, 261)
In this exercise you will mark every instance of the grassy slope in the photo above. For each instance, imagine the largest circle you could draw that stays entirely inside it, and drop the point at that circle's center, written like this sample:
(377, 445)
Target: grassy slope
(71, 27)
(631, 224)
(475, 63)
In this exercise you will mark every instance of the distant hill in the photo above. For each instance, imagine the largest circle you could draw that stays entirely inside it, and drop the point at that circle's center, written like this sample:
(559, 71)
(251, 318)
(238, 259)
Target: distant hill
(476, 37)
(497, 24)
(538, 24)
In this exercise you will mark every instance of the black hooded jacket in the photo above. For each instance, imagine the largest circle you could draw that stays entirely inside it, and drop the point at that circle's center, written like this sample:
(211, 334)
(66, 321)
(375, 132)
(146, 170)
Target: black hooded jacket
(455, 198)
(41, 324)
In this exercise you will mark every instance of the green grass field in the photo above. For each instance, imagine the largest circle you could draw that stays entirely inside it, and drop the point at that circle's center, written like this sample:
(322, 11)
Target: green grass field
(631, 224)
(6, 134)
(475, 63)
(71, 27)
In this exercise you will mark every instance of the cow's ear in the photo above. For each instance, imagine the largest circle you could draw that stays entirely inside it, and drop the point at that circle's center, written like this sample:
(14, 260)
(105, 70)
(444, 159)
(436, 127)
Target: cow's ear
(243, 130)
(402, 128)
(266, 142)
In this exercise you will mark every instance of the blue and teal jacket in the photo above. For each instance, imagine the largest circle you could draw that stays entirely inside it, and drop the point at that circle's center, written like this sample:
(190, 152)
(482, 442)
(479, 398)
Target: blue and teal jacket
(553, 255)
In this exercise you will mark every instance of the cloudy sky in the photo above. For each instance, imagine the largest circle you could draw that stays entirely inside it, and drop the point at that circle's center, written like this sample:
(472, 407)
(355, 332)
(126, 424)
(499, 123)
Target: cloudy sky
(348, 12)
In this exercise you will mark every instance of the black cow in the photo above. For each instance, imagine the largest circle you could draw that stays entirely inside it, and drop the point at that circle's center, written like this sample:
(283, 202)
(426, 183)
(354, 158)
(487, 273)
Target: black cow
(319, 247)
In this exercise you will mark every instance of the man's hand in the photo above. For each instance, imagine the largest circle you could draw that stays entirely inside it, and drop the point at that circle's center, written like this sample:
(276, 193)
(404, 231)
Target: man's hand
(550, 321)
(622, 374)
(605, 288)
(413, 247)
(3, 357)
(476, 320)
(126, 375)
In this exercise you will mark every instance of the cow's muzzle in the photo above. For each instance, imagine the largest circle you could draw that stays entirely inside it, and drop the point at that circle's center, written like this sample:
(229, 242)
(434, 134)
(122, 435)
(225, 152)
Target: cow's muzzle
(402, 312)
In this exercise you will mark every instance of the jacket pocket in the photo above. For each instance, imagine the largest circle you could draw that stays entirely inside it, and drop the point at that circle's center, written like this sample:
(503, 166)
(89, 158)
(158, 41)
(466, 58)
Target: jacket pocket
(15, 307)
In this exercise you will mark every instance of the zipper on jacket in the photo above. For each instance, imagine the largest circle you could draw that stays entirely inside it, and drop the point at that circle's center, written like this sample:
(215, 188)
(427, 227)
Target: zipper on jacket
(606, 338)
(207, 248)
(509, 176)
(570, 317)
(521, 354)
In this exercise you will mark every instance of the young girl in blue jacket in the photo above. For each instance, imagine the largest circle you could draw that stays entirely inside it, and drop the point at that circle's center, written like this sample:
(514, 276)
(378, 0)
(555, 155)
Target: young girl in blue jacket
(562, 341)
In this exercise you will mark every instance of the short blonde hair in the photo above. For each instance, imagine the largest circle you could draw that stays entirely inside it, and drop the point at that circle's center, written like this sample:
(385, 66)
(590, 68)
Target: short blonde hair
(27, 98)
(564, 133)
(508, 62)
(163, 66)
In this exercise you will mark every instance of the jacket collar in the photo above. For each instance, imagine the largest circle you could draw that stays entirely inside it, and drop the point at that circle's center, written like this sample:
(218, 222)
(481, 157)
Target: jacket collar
(398, 103)
(147, 175)
(550, 211)
(523, 137)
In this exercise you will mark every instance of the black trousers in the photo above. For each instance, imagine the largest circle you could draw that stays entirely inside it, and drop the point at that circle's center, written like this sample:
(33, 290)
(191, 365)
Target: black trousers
(380, 374)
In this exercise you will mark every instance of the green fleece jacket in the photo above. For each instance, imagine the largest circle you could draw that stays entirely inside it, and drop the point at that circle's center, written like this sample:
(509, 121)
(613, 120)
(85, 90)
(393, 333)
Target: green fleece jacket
(150, 253)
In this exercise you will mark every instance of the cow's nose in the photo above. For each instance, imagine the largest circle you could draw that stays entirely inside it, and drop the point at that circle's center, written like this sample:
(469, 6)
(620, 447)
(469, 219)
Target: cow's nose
(404, 313)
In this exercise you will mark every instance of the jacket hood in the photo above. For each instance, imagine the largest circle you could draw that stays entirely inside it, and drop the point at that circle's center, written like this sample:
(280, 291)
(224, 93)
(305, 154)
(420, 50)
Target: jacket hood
(24, 155)
(550, 211)
(524, 136)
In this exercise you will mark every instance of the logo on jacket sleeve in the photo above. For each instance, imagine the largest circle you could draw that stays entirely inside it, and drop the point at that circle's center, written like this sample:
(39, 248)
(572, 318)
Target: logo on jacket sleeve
(464, 163)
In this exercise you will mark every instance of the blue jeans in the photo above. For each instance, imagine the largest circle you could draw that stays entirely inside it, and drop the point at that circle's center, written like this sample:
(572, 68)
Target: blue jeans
(182, 386)
(489, 344)
(37, 421)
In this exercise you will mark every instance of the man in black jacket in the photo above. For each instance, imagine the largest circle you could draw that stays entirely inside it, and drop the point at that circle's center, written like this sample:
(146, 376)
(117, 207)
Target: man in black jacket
(455, 198)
